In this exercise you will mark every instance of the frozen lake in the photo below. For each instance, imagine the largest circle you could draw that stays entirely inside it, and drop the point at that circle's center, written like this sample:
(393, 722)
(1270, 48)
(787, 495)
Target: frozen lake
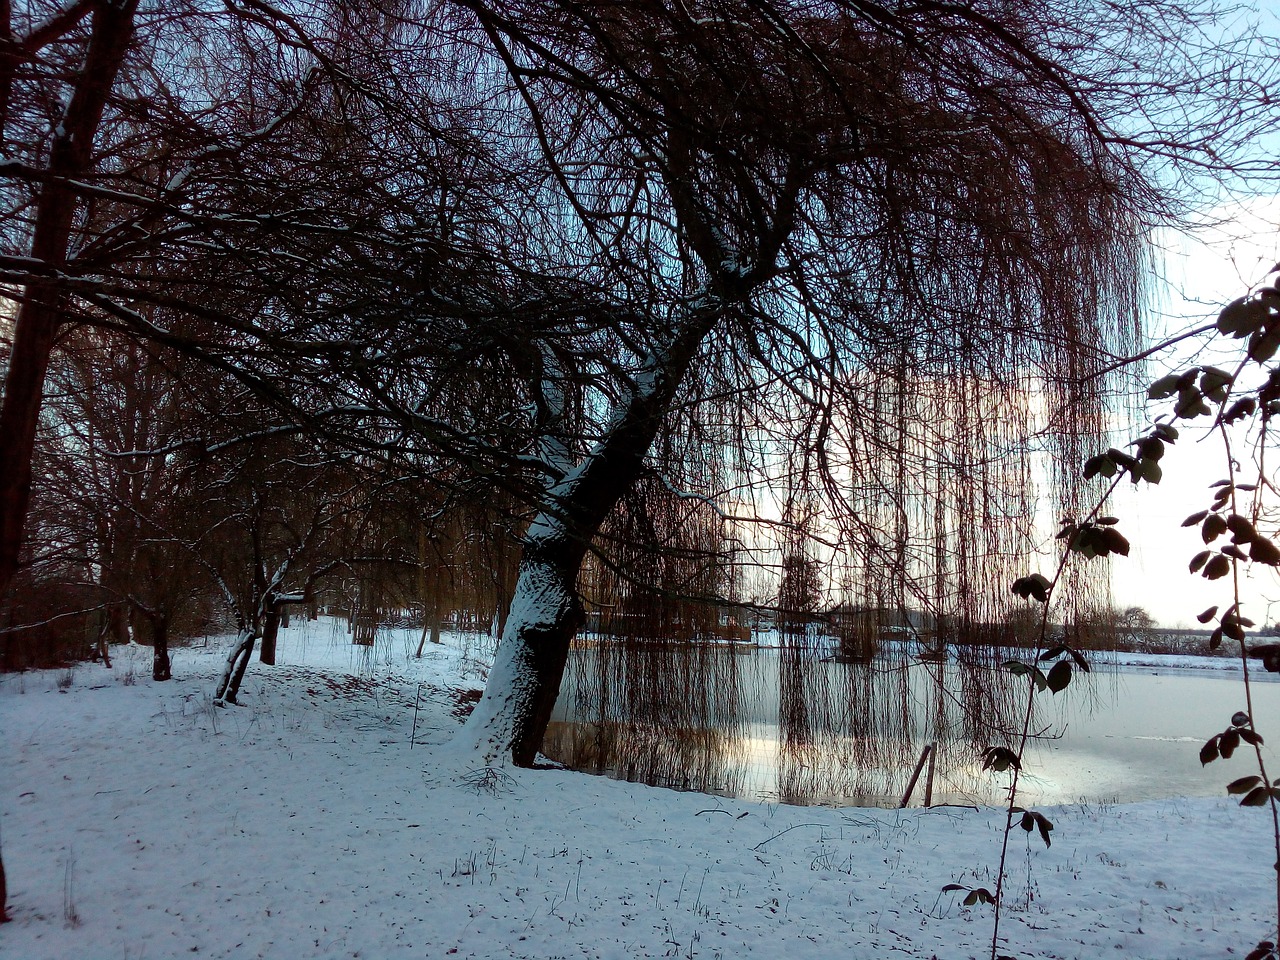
(778, 725)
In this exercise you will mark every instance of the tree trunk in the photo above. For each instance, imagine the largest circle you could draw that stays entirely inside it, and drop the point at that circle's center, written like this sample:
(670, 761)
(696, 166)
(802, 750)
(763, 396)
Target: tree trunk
(505, 588)
(41, 312)
(270, 630)
(160, 668)
(546, 611)
(233, 672)
(233, 690)
(101, 649)
(525, 681)
(117, 623)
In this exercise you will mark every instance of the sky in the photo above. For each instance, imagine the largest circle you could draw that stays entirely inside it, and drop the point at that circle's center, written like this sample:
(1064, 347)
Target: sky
(1201, 272)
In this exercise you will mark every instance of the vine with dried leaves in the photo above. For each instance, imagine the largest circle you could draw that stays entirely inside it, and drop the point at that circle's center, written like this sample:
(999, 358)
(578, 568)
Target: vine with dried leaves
(1241, 413)
(1233, 526)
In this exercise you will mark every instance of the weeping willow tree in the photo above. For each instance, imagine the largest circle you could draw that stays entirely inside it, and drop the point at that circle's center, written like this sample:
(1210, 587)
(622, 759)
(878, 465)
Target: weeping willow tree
(944, 480)
(661, 567)
(881, 257)
(658, 697)
(878, 256)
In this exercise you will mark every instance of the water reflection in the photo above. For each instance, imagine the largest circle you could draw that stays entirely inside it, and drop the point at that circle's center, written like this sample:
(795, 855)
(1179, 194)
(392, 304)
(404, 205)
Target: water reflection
(784, 724)
(659, 713)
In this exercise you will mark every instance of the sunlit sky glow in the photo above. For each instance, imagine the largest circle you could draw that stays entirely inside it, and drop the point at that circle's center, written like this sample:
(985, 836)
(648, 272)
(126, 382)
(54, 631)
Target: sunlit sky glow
(1201, 272)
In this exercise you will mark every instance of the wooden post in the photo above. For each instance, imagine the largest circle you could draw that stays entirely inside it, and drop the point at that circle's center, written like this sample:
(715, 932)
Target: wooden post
(928, 780)
(416, 700)
(915, 775)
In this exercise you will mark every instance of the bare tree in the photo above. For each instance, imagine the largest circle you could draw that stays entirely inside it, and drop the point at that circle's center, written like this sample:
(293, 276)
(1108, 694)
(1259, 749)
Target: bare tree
(881, 257)
(870, 253)
(873, 245)
(111, 399)
(1136, 627)
(70, 155)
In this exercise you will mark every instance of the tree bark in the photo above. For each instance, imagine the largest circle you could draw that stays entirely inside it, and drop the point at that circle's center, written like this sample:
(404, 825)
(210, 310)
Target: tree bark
(432, 614)
(233, 672)
(101, 649)
(270, 630)
(160, 666)
(237, 677)
(41, 312)
(546, 612)
(117, 623)
(504, 587)
(513, 714)
(437, 613)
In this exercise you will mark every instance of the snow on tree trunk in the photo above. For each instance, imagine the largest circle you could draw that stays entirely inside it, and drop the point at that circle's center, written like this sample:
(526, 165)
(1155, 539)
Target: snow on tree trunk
(233, 671)
(521, 692)
(509, 721)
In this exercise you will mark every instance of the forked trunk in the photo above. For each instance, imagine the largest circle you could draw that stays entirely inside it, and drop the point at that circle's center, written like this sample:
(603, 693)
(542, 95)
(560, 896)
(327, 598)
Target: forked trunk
(237, 660)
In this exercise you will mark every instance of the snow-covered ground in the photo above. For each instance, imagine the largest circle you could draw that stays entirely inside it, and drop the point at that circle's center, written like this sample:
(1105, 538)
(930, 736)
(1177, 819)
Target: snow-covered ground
(140, 821)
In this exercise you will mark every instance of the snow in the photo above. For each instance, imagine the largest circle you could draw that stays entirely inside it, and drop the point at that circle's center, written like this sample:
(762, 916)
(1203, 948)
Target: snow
(1181, 661)
(318, 820)
(539, 599)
